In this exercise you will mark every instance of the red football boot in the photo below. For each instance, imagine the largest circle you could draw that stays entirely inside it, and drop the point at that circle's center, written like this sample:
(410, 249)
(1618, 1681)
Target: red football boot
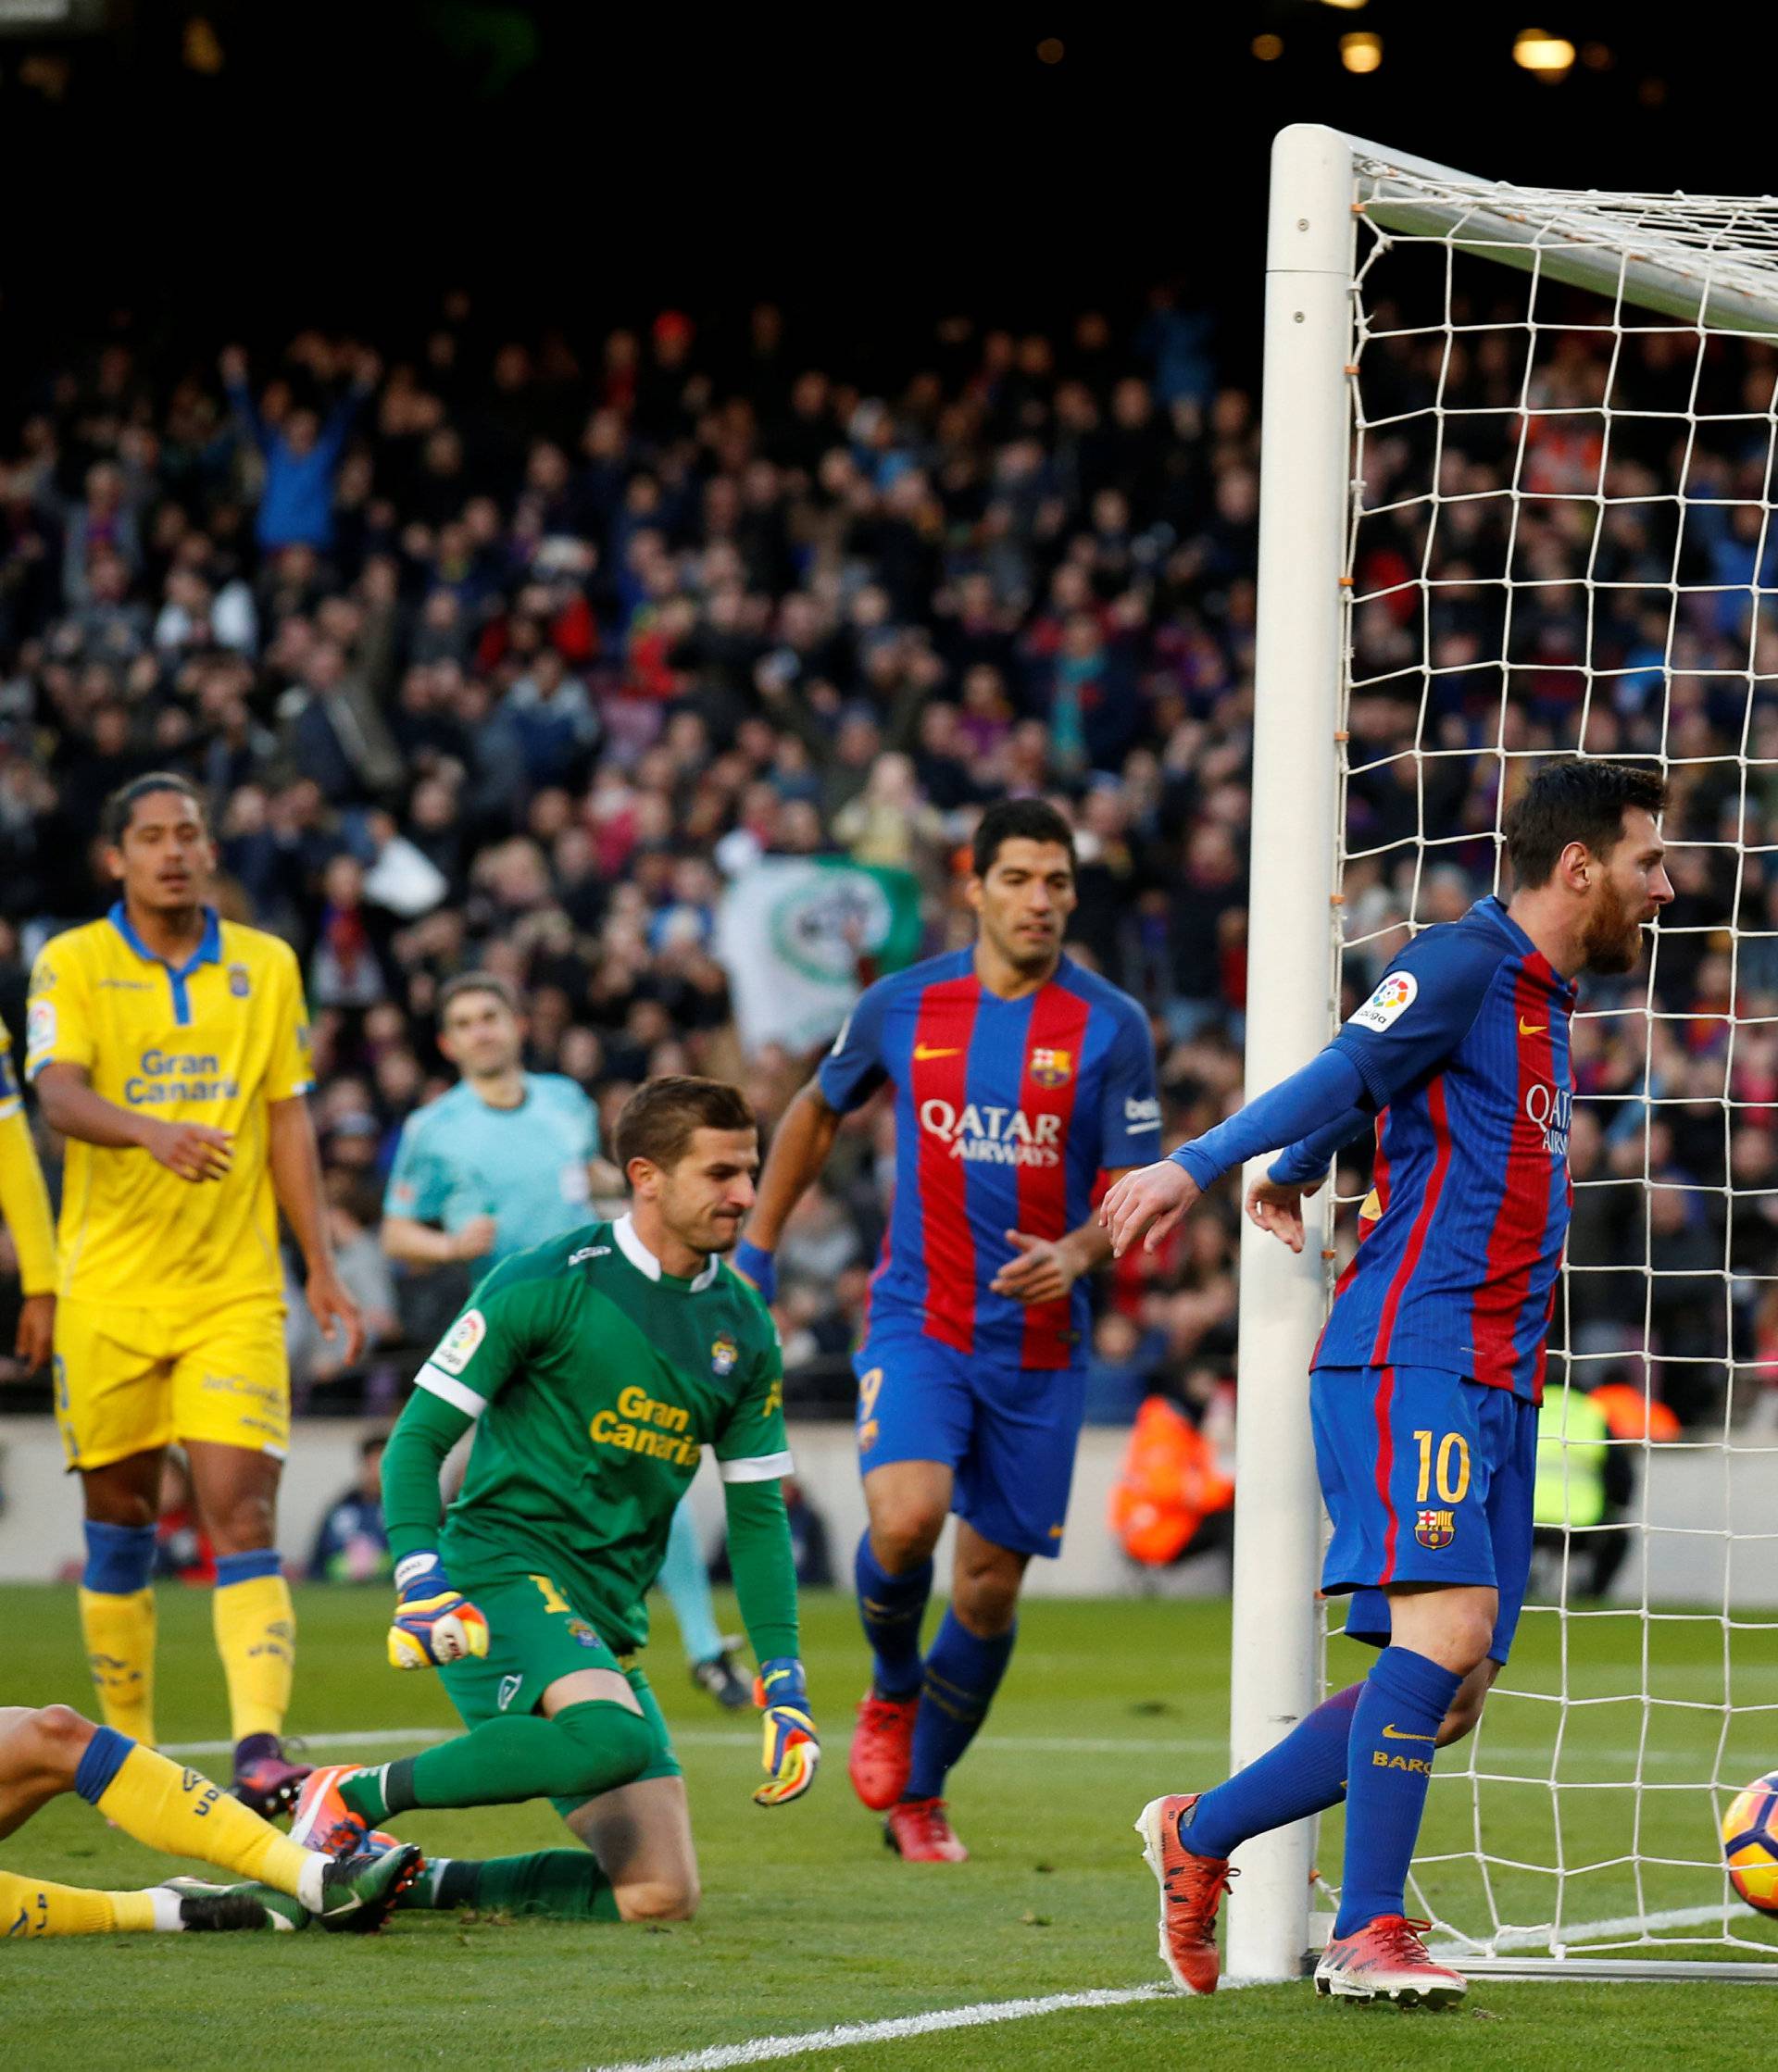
(321, 1820)
(1386, 1960)
(1191, 1891)
(919, 1832)
(883, 1749)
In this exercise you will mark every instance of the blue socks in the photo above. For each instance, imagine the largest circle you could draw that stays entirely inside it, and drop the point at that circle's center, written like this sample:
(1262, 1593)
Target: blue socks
(892, 1609)
(1394, 1729)
(100, 1762)
(247, 1568)
(962, 1675)
(119, 1558)
(687, 1584)
(1305, 1774)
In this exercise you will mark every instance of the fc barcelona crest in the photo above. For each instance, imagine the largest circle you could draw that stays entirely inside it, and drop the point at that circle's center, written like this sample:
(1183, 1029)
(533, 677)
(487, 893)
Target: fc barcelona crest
(1434, 1528)
(1052, 1068)
(240, 985)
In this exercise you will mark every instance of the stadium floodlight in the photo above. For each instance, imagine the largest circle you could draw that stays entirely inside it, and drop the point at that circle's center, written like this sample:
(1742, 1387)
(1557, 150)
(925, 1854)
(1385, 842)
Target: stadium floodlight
(1551, 57)
(1609, 323)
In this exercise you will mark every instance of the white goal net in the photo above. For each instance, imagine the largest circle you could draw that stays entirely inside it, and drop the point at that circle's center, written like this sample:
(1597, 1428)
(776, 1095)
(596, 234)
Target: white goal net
(1556, 434)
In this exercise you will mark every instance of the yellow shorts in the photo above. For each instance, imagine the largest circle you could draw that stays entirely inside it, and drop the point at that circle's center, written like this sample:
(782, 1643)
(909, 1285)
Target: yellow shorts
(129, 1380)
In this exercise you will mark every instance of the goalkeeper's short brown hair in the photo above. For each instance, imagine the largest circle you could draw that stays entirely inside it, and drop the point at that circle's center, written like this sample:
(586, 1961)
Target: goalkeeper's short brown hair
(661, 1116)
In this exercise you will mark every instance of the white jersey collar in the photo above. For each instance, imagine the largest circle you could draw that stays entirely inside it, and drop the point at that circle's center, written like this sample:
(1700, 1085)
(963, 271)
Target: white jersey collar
(644, 1261)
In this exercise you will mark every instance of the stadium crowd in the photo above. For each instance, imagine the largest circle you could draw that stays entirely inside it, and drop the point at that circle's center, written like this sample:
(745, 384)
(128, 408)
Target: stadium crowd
(510, 653)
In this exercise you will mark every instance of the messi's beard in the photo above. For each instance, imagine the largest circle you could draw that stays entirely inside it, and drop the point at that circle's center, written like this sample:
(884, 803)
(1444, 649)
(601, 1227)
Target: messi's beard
(1612, 942)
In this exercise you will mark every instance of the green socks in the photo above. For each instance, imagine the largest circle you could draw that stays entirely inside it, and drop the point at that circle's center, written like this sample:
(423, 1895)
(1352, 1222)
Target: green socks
(585, 1750)
(565, 1884)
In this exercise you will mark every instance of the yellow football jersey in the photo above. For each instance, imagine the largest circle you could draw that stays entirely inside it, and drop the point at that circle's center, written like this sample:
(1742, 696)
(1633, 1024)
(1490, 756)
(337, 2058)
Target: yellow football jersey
(210, 1040)
(24, 1199)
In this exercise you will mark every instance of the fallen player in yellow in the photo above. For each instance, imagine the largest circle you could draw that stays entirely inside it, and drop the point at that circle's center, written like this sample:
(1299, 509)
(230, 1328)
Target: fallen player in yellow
(44, 1753)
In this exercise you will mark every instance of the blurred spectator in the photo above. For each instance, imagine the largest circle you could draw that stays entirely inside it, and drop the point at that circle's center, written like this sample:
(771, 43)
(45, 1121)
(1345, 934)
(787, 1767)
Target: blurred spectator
(350, 1543)
(481, 667)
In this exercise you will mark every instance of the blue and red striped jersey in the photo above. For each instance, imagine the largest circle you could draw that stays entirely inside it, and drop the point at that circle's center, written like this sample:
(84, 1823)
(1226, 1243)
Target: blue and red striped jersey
(1463, 1049)
(1005, 1113)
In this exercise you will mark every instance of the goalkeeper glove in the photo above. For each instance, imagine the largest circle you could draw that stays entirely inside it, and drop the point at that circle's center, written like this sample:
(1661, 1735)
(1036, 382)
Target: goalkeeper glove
(792, 1750)
(433, 1623)
(758, 1266)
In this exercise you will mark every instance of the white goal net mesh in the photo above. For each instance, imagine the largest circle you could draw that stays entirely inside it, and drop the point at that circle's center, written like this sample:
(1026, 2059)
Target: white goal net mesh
(1562, 538)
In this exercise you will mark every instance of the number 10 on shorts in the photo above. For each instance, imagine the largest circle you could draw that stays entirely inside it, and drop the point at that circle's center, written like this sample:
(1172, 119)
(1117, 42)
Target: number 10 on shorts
(1453, 1467)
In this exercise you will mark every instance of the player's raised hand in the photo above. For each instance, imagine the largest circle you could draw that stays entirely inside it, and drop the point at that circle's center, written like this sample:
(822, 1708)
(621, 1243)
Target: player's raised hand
(791, 1752)
(1041, 1271)
(334, 1308)
(193, 1150)
(433, 1623)
(1278, 1207)
(37, 1331)
(1147, 1202)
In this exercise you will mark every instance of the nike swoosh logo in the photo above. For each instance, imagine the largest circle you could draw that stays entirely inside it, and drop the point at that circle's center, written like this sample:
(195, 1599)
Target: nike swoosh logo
(1393, 1734)
(1532, 1028)
(923, 1051)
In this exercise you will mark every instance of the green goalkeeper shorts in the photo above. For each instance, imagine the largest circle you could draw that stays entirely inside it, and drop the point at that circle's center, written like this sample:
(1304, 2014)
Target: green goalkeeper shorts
(535, 1637)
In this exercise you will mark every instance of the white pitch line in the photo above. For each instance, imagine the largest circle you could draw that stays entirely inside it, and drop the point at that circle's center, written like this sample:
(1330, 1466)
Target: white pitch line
(763, 2050)
(1036, 1744)
(360, 1738)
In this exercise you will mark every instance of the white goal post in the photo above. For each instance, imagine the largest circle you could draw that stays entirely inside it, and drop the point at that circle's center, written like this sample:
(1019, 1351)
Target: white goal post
(1338, 205)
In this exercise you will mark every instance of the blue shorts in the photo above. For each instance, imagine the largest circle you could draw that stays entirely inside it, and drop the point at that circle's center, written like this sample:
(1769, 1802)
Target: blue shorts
(1428, 1479)
(1007, 1433)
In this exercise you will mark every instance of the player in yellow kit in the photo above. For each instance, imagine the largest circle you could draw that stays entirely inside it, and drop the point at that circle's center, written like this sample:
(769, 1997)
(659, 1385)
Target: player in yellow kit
(43, 1754)
(24, 1209)
(170, 1048)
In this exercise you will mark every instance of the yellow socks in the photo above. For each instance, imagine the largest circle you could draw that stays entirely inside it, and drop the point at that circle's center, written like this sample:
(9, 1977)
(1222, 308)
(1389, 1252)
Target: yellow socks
(256, 1636)
(181, 1812)
(32, 1906)
(120, 1635)
(118, 1621)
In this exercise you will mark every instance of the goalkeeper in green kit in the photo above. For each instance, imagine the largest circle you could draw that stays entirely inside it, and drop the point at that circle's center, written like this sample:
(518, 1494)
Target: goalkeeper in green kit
(594, 1370)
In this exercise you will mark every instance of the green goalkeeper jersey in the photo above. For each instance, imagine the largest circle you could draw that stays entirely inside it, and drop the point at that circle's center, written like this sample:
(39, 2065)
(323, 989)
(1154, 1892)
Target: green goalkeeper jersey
(596, 1380)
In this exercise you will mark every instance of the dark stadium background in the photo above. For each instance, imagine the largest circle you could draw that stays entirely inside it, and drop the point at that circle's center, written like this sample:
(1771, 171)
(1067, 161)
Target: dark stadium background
(851, 164)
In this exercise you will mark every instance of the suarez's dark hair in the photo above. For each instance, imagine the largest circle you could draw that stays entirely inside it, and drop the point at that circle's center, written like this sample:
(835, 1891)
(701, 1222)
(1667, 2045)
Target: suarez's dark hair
(114, 815)
(1018, 821)
(661, 1116)
(1580, 799)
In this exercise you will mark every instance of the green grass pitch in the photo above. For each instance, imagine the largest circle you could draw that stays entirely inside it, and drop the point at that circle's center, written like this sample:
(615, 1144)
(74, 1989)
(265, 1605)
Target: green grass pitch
(808, 1922)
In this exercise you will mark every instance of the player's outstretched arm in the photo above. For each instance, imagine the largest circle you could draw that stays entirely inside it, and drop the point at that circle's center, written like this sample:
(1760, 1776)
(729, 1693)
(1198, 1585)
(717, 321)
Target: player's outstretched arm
(799, 1150)
(193, 1150)
(296, 1162)
(1149, 1202)
(24, 1208)
(1275, 1202)
(764, 1564)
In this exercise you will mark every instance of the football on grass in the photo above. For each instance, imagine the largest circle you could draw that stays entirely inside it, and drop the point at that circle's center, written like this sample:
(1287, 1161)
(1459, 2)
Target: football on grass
(1750, 1844)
